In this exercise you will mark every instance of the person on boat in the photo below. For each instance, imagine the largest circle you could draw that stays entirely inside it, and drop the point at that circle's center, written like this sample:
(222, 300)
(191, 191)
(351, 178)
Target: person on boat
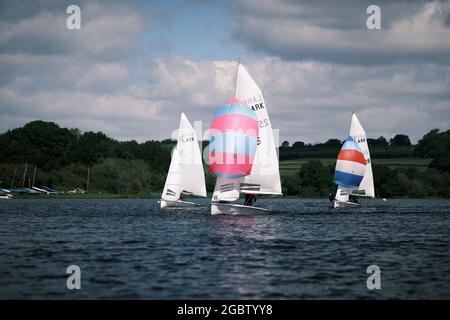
(181, 198)
(331, 197)
(250, 199)
(352, 199)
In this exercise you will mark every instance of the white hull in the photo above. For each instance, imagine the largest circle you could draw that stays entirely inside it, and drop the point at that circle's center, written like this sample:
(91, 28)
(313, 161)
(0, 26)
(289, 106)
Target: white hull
(176, 204)
(233, 209)
(339, 204)
(5, 197)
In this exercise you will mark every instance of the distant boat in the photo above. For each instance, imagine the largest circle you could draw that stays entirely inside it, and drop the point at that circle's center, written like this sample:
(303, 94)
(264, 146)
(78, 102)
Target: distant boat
(76, 190)
(52, 191)
(31, 191)
(5, 193)
(186, 176)
(40, 190)
(19, 190)
(264, 176)
(2, 190)
(27, 191)
(353, 172)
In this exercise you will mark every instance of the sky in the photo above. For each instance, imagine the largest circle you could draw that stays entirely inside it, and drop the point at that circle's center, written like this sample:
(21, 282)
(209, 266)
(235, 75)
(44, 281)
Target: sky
(135, 65)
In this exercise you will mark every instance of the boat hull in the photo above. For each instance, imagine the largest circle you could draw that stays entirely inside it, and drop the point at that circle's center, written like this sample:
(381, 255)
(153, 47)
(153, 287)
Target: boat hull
(176, 204)
(234, 209)
(339, 204)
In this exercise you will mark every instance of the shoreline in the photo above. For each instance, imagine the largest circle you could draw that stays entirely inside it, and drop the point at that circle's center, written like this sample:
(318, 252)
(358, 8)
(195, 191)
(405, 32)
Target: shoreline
(112, 196)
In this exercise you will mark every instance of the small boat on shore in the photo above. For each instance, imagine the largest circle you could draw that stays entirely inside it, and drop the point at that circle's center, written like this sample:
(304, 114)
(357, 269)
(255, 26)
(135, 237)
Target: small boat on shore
(5, 193)
(52, 191)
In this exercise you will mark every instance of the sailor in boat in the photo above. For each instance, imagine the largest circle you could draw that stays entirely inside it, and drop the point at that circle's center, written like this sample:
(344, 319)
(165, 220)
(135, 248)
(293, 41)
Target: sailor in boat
(352, 199)
(331, 197)
(181, 197)
(250, 199)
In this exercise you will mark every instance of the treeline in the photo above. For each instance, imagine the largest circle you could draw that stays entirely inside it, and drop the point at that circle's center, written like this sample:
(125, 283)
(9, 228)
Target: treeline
(316, 179)
(63, 156)
(398, 147)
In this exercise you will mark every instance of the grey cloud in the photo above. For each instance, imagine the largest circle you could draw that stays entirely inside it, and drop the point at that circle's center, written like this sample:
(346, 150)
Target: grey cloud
(90, 80)
(336, 31)
(308, 101)
(107, 32)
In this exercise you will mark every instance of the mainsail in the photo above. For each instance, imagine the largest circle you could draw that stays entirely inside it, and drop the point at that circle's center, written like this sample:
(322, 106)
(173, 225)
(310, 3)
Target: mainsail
(232, 147)
(186, 169)
(265, 175)
(192, 175)
(172, 186)
(366, 187)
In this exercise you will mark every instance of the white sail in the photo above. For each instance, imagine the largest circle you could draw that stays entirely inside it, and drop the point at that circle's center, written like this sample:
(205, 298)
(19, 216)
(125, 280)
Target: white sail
(171, 189)
(192, 179)
(186, 168)
(265, 175)
(226, 189)
(366, 187)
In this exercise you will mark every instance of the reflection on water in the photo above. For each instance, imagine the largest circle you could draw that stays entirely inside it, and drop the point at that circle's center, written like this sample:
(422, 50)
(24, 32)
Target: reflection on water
(131, 249)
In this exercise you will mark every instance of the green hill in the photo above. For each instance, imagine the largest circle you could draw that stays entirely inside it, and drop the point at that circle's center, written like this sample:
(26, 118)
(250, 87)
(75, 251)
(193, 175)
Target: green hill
(62, 157)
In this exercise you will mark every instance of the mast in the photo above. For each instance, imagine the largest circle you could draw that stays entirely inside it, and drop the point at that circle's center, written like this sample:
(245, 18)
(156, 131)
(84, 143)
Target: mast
(14, 177)
(87, 180)
(34, 175)
(24, 174)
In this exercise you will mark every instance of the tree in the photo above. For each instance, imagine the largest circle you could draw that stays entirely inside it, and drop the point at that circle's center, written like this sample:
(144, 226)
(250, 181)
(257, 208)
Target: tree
(333, 143)
(291, 185)
(285, 144)
(380, 141)
(400, 140)
(315, 175)
(42, 143)
(136, 185)
(435, 145)
(91, 147)
(298, 144)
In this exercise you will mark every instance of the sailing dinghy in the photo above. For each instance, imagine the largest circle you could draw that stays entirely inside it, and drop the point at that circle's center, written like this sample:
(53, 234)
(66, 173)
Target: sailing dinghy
(186, 176)
(264, 176)
(5, 194)
(353, 172)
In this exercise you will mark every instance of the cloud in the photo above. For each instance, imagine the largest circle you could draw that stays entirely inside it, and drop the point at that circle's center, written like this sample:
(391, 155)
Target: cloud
(308, 101)
(333, 32)
(108, 32)
(99, 79)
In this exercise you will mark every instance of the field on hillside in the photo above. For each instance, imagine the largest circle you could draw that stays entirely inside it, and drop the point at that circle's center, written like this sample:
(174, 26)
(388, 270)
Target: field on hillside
(291, 166)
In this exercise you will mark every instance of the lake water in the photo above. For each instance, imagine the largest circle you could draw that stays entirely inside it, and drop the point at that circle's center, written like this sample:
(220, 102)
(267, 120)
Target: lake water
(132, 249)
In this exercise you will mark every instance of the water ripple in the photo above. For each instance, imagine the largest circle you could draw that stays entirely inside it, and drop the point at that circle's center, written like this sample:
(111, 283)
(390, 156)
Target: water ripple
(129, 249)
